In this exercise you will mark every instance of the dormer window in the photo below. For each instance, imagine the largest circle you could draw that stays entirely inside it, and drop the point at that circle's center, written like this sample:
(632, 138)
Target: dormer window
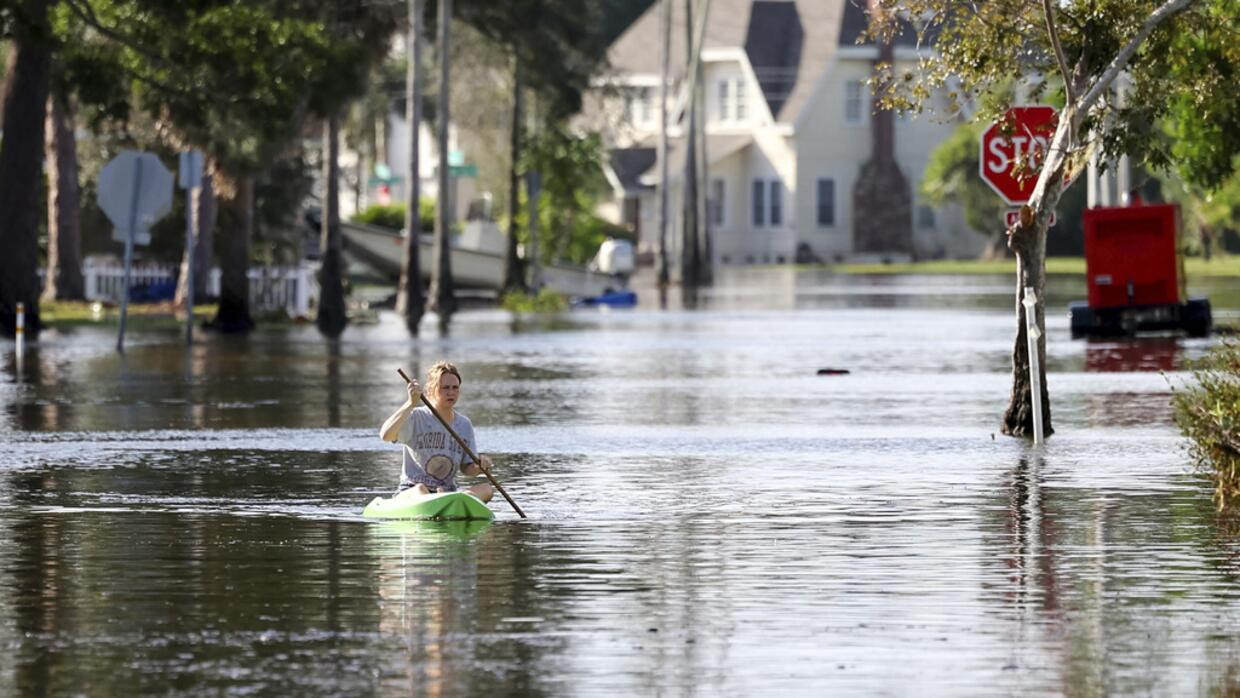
(639, 107)
(729, 103)
(854, 101)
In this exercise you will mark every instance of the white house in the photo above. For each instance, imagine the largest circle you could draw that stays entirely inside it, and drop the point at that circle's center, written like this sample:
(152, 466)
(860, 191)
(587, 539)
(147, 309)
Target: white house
(789, 125)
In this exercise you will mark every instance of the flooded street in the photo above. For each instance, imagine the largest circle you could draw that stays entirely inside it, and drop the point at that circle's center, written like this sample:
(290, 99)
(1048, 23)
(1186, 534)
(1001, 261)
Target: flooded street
(707, 515)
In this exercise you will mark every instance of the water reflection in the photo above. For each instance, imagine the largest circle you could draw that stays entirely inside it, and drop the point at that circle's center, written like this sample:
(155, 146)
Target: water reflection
(333, 383)
(706, 515)
(1141, 354)
(428, 586)
(1031, 541)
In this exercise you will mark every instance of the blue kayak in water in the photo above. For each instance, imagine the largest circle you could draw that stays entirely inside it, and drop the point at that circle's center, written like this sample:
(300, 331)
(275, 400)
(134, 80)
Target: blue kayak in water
(438, 506)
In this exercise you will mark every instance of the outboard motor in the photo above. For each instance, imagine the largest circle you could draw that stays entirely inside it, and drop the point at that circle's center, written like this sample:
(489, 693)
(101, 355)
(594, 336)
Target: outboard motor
(614, 257)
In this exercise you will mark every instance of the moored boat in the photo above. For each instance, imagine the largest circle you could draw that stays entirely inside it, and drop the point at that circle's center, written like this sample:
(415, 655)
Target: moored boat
(439, 506)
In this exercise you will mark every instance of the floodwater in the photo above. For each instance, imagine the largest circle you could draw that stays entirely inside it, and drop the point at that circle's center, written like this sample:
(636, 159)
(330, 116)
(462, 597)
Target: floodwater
(707, 516)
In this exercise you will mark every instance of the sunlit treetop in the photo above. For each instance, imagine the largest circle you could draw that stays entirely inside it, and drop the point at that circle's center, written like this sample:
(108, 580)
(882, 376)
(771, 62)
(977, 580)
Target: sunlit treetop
(1175, 107)
(237, 78)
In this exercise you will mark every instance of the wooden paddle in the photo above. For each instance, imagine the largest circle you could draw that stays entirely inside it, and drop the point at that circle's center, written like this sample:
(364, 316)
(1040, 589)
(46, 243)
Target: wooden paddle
(459, 440)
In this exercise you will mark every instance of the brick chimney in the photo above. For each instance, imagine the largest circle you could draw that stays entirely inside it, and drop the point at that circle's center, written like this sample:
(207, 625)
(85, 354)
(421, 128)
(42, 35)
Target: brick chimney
(882, 202)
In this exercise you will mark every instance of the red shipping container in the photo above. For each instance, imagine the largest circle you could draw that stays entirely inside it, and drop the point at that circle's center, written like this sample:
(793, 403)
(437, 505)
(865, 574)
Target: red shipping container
(1131, 256)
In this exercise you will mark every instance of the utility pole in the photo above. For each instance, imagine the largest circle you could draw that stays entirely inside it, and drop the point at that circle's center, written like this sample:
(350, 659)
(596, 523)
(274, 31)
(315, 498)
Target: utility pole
(665, 28)
(442, 296)
(689, 193)
(409, 300)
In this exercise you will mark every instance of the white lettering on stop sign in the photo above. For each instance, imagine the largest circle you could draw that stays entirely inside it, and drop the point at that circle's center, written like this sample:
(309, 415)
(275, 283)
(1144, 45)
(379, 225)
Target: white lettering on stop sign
(1029, 137)
(1001, 162)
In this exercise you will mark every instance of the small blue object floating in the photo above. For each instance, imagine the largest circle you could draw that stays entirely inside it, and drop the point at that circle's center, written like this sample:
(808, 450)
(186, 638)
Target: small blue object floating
(613, 299)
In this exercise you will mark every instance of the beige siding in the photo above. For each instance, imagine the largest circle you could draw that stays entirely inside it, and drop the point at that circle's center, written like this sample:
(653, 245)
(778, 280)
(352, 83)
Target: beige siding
(830, 147)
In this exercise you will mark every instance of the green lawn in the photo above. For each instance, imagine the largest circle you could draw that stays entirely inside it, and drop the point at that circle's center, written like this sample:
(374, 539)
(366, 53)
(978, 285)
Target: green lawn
(139, 315)
(1194, 266)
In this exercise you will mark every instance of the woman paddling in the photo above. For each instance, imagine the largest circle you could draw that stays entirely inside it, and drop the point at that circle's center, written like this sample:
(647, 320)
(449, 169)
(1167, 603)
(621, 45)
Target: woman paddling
(432, 457)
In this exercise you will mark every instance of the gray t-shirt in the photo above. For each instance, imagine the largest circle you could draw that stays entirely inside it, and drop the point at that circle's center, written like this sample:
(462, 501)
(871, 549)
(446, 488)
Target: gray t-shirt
(431, 456)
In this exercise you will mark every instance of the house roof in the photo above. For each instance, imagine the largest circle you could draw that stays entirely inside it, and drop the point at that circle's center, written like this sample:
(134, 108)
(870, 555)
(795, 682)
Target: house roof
(718, 147)
(789, 44)
(628, 164)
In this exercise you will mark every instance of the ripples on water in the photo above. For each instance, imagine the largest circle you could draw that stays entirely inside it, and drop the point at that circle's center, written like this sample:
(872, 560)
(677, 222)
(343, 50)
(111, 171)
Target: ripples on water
(707, 515)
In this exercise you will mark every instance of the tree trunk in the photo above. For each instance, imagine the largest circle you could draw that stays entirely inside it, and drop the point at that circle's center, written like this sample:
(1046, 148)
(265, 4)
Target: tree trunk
(409, 301)
(204, 200)
(442, 294)
(24, 100)
(64, 220)
(689, 192)
(665, 29)
(237, 226)
(704, 274)
(1030, 249)
(331, 318)
(514, 275)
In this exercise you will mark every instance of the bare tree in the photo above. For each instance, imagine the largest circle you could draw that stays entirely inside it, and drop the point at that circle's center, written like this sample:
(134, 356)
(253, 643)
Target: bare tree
(236, 192)
(64, 195)
(203, 199)
(331, 318)
(514, 276)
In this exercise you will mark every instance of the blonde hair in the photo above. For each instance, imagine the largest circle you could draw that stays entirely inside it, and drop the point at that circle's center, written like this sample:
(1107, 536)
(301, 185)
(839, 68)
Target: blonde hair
(435, 373)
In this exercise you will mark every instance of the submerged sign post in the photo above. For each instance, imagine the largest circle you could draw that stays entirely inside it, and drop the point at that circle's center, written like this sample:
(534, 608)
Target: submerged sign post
(135, 190)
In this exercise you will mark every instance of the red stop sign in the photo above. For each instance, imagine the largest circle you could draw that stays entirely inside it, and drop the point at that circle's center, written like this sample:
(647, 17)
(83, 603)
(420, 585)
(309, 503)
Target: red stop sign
(1019, 138)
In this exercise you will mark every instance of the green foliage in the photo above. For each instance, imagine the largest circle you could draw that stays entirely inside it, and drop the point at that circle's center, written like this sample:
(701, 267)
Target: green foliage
(393, 215)
(193, 63)
(237, 79)
(1179, 112)
(385, 216)
(558, 44)
(1186, 80)
(90, 69)
(951, 176)
(1211, 218)
(547, 301)
(572, 180)
(279, 190)
(146, 316)
(1209, 414)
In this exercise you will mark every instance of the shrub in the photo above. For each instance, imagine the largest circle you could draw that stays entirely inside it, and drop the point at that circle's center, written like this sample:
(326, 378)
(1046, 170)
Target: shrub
(1209, 414)
(393, 215)
(547, 301)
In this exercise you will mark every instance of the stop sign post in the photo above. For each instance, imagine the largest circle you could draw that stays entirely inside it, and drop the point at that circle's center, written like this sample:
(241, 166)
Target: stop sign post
(1018, 140)
(135, 190)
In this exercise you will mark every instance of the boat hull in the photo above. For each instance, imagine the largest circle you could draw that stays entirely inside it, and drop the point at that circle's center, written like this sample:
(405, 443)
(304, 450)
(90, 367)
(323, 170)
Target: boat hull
(383, 250)
(441, 506)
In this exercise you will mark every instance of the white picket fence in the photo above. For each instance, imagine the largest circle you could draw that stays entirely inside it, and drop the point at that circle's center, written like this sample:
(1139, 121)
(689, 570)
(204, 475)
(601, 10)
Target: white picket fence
(293, 289)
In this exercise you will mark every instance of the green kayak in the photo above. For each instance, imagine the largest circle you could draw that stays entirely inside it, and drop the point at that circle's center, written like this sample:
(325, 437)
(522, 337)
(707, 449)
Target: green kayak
(441, 506)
